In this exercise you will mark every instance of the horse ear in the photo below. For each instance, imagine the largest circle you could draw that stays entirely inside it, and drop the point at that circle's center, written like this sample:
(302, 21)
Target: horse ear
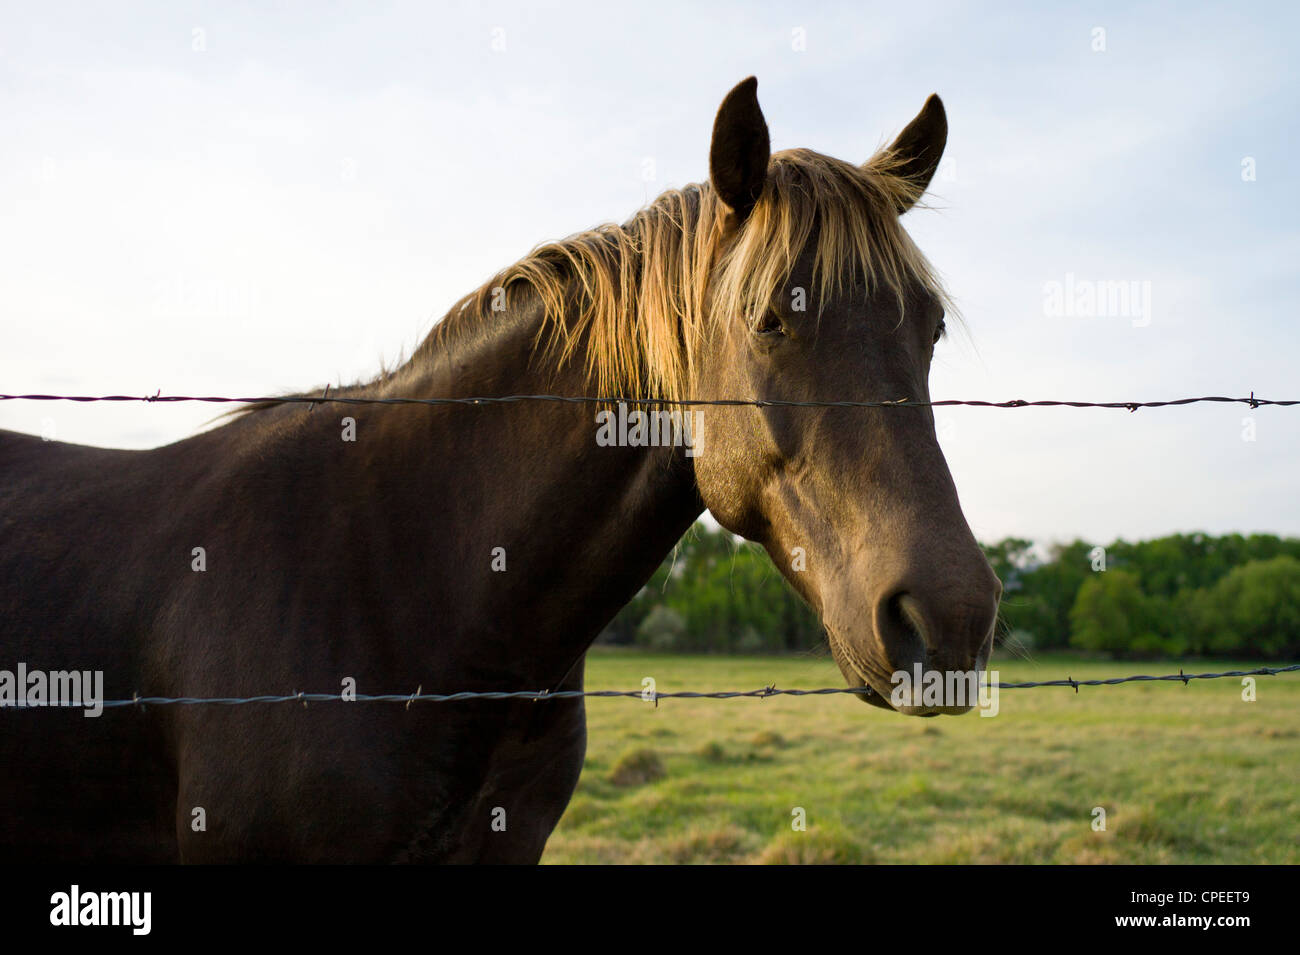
(918, 149)
(740, 150)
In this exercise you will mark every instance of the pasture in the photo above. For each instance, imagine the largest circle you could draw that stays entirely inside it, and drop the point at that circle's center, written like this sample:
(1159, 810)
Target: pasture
(1186, 774)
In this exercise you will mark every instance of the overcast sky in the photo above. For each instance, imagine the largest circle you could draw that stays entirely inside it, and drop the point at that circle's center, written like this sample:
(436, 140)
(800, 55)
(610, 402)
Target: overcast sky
(214, 199)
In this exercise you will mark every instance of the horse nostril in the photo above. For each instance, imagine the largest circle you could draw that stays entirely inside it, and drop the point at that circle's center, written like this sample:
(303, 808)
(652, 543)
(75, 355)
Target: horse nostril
(939, 634)
(900, 628)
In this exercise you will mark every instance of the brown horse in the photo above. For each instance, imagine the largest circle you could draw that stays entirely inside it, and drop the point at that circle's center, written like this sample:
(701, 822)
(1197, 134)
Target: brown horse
(393, 546)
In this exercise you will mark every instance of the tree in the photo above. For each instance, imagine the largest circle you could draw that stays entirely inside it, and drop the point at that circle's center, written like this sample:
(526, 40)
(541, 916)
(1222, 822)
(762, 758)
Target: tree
(1255, 610)
(1112, 615)
(1042, 603)
(1174, 595)
(1010, 558)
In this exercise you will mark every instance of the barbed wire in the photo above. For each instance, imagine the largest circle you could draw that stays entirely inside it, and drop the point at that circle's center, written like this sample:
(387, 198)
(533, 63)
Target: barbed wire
(326, 398)
(649, 696)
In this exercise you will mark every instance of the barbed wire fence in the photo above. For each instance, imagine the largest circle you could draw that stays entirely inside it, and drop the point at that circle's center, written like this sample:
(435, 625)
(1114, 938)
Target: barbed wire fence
(654, 696)
(326, 398)
(651, 696)
(645, 695)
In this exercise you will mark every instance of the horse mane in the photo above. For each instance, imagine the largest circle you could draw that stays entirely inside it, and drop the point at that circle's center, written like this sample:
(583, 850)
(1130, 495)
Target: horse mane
(645, 291)
(642, 289)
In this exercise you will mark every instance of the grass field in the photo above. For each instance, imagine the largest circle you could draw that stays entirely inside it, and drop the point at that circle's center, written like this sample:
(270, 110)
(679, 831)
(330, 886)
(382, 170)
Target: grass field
(1186, 774)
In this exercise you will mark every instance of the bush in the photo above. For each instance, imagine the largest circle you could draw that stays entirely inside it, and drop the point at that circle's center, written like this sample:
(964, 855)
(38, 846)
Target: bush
(636, 768)
(662, 629)
(751, 641)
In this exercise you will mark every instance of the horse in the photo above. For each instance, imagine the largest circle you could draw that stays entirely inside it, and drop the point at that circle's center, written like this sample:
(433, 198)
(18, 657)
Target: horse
(388, 546)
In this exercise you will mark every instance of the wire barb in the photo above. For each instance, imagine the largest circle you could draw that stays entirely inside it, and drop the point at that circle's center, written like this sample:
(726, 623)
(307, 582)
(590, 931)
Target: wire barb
(324, 397)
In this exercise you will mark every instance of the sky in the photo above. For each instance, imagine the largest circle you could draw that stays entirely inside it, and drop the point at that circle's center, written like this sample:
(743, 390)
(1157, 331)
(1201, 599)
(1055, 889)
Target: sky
(223, 199)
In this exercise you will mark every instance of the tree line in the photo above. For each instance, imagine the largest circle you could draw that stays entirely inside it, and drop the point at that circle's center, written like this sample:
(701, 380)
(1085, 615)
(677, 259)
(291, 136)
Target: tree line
(1182, 595)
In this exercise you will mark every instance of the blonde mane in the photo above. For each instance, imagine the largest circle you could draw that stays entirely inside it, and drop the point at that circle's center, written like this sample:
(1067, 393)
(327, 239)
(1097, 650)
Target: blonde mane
(639, 296)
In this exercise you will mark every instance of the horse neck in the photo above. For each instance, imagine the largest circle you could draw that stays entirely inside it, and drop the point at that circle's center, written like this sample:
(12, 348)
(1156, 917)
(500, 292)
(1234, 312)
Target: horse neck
(578, 527)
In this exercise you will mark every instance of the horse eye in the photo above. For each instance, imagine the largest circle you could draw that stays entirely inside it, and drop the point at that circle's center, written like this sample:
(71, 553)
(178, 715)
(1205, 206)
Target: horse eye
(769, 324)
(939, 332)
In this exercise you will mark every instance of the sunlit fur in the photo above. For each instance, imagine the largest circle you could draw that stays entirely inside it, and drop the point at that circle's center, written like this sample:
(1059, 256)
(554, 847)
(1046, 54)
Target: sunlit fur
(635, 301)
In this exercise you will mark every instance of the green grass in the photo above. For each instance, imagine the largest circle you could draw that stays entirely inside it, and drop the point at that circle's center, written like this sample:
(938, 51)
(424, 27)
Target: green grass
(1186, 774)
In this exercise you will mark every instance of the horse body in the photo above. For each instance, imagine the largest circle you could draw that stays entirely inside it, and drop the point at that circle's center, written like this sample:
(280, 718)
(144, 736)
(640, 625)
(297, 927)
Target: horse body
(325, 560)
(392, 548)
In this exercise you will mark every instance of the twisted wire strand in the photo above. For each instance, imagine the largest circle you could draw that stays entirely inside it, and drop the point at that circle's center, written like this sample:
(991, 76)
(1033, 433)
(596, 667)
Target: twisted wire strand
(645, 695)
(326, 398)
